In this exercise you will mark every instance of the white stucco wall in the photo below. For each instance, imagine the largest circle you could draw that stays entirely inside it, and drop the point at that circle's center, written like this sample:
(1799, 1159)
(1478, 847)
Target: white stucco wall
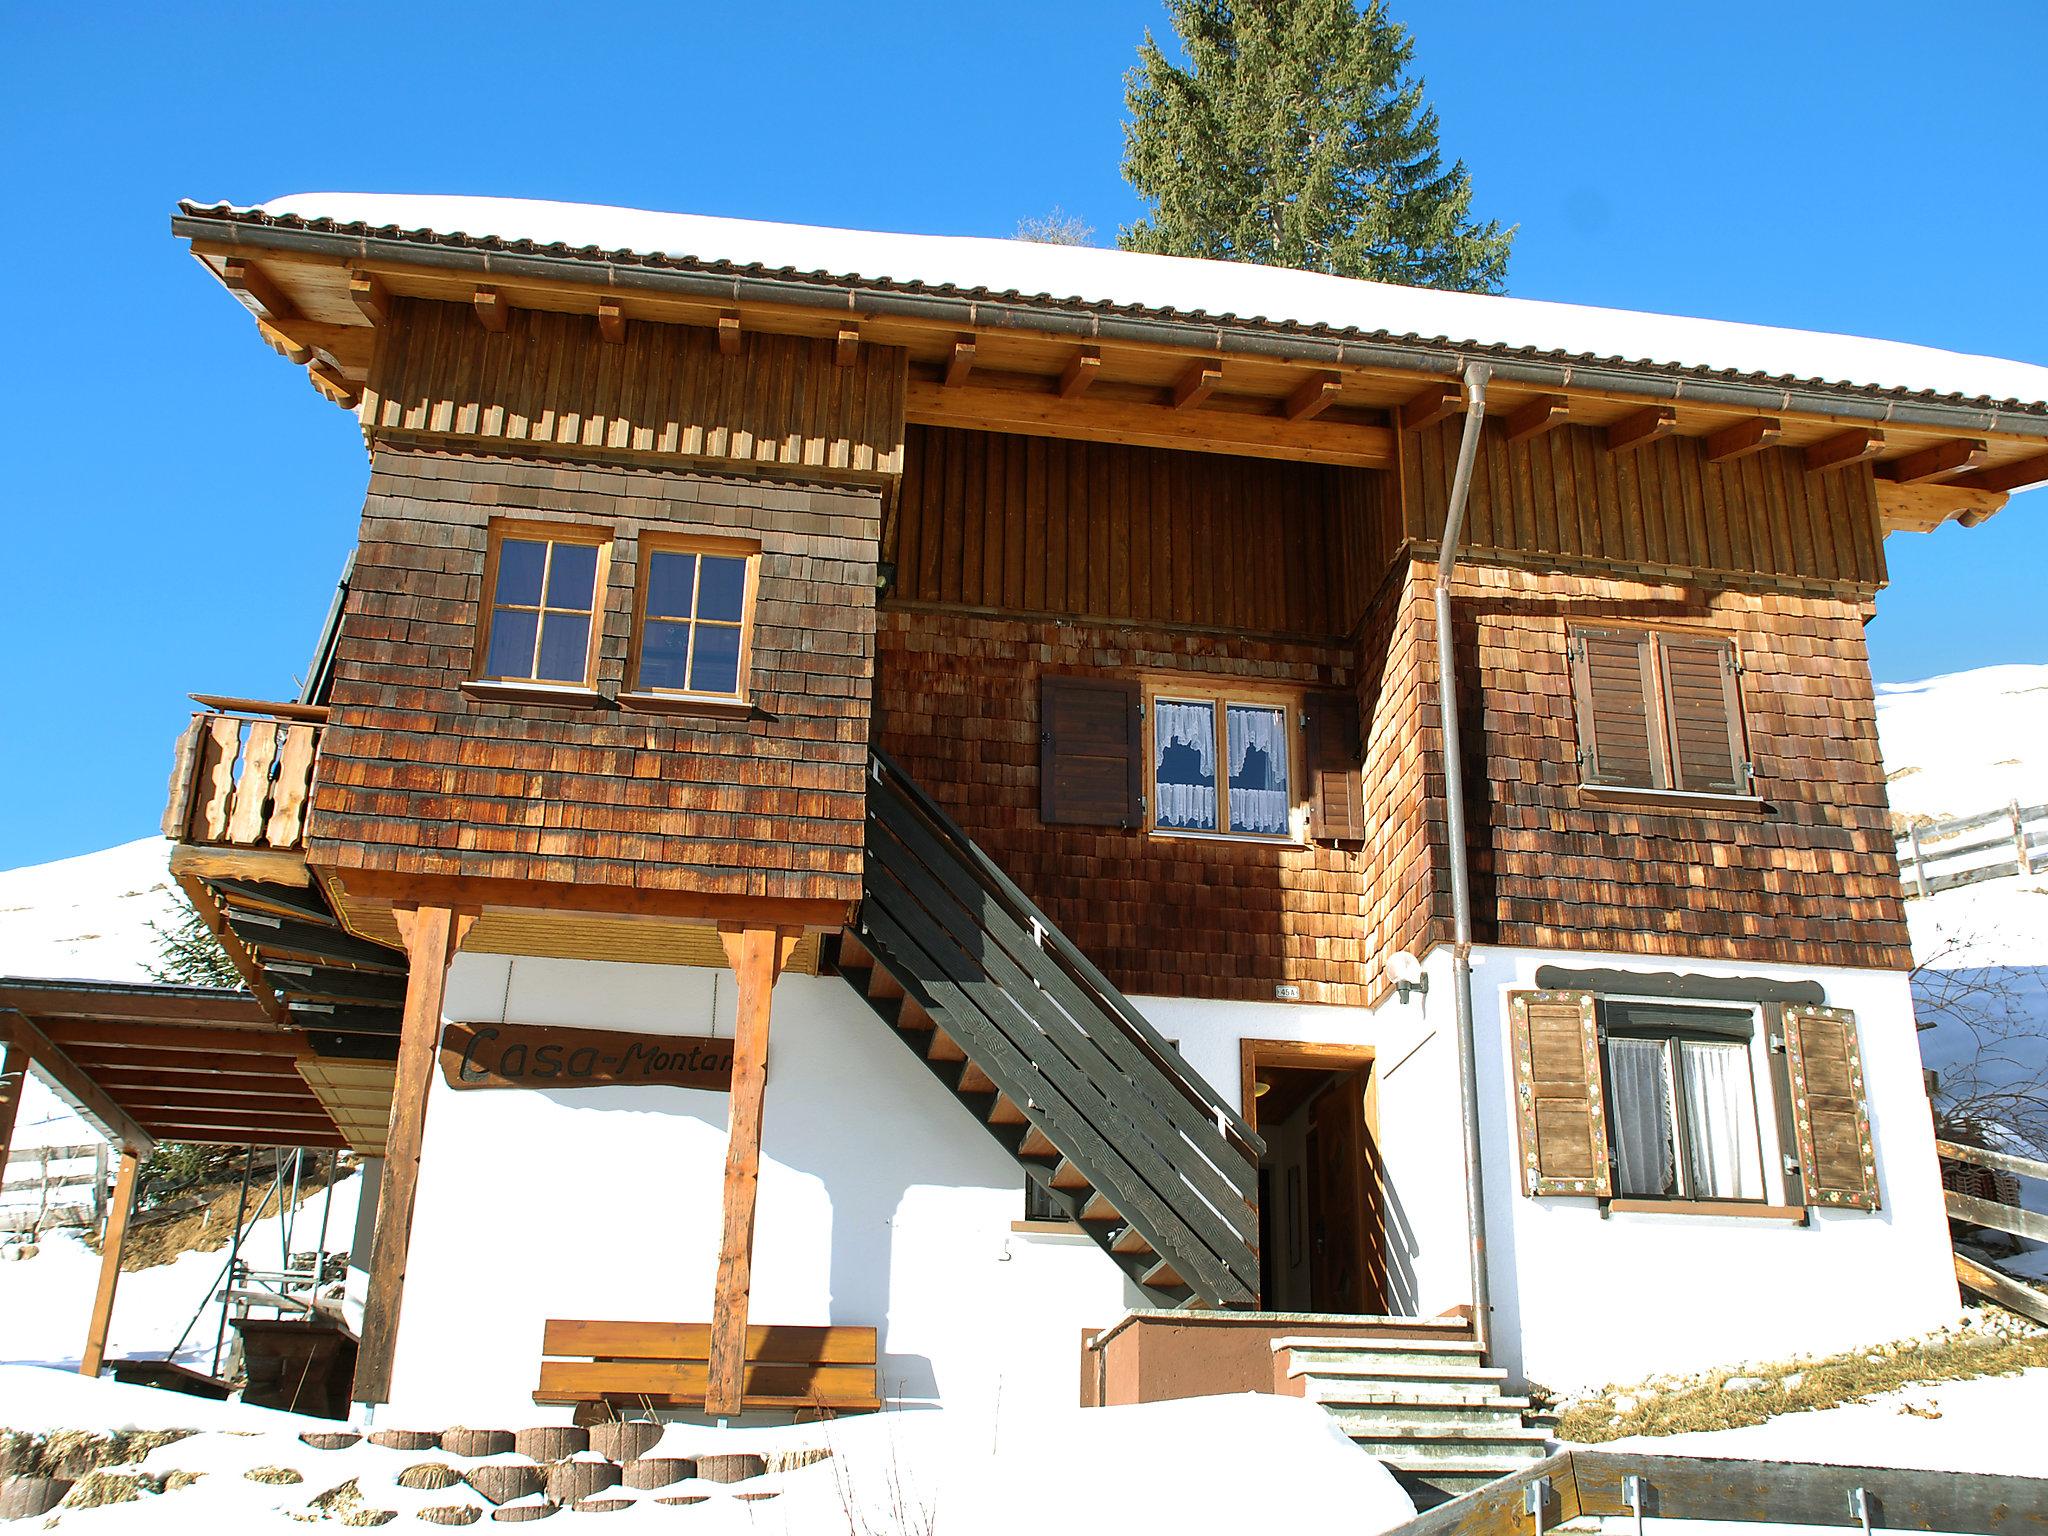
(1582, 1299)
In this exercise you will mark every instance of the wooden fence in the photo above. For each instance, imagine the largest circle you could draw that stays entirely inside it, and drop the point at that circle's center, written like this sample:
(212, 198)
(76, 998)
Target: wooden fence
(2025, 1298)
(1576, 1484)
(52, 1186)
(1945, 854)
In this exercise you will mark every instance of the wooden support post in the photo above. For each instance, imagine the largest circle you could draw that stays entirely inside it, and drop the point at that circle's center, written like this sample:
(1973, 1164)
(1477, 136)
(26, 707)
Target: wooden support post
(1919, 865)
(112, 1240)
(757, 956)
(13, 1077)
(432, 936)
(2019, 838)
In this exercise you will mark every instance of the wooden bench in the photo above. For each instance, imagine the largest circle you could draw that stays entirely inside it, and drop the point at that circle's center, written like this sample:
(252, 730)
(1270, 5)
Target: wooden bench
(666, 1365)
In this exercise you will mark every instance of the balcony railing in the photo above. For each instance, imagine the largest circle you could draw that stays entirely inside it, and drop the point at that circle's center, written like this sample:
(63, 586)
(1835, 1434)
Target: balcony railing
(243, 773)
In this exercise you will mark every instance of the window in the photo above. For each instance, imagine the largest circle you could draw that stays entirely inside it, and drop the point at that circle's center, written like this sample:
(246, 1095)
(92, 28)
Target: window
(696, 602)
(1658, 710)
(543, 584)
(1221, 766)
(1682, 1094)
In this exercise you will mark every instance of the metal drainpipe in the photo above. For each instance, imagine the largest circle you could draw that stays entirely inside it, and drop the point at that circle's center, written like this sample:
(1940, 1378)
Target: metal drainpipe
(1476, 377)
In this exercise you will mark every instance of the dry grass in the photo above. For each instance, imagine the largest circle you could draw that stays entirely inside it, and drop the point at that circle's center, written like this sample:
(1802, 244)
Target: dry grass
(279, 1475)
(789, 1461)
(1703, 1403)
(98, 1488)
(74, 1453)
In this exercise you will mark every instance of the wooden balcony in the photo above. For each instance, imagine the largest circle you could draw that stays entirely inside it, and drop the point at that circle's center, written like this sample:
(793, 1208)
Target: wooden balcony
(240, 785)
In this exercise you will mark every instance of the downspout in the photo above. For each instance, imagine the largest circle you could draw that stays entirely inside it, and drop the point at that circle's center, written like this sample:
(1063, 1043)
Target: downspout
(1476, 377)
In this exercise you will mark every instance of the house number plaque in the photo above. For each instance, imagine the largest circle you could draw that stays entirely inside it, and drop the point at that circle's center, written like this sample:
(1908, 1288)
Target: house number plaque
(539, 1056)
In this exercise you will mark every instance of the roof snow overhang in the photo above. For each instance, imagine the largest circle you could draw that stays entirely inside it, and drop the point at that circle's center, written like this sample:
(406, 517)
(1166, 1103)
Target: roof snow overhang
(1952, 433)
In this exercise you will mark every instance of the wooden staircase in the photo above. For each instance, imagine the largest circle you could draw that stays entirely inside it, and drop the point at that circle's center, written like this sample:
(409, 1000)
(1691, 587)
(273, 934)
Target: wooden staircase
(1100, 1111)
(1430, 1409)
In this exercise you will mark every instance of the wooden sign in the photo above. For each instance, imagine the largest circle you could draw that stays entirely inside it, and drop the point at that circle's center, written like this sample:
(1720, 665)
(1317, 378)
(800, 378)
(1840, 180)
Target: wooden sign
(538, 1056)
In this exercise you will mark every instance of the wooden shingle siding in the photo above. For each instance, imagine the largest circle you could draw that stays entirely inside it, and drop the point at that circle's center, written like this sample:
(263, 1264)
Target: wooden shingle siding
(958, 708)
(547, 381)
(1036, 525)
(1811, 878)
(415, 776)
(1660, 509)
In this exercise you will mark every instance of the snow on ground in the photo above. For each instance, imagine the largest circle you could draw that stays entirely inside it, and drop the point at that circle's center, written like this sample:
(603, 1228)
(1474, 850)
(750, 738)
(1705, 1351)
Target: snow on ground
(1176, 1465)
(1967, 742)
(1990, 1424)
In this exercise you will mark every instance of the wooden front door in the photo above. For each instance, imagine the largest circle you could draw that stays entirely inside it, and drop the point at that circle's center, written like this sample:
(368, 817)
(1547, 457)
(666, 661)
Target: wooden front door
(1340, 1271)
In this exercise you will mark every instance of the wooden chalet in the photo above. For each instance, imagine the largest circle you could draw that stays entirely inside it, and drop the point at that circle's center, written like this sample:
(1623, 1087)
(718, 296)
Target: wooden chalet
(1037, 655)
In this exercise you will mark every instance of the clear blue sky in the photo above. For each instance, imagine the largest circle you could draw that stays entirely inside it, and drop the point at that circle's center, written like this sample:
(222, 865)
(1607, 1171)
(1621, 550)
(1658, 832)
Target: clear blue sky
(178, 501)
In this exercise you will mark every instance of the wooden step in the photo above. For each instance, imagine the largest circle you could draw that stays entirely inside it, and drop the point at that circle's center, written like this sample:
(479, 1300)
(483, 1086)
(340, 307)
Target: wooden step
(974, 1080)
(882, 987)
(1133, 1243)
(1005, 1112)
(912, 1016)
(1098, 1208)
(1037, 1146)
(1069, 1178)
(854, 955)
(943, 1047)
(1162, 1276)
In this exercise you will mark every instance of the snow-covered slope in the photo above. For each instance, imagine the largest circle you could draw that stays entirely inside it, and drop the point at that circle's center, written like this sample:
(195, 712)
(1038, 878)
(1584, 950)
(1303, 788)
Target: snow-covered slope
(1967, 742)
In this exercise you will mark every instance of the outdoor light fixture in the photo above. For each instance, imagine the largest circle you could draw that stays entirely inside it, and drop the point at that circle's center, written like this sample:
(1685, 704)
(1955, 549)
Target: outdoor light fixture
(1406, 972)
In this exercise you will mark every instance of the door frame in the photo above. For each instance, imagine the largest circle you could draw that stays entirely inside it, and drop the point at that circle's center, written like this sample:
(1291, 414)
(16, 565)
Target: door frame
(1329, 1057)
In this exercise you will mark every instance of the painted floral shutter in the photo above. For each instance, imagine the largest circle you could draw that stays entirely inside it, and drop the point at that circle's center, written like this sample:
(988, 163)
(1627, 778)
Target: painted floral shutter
(1560, 1098)
(1705, 711)
(1614, 686)
(1091, 752)
(1830, 1115)
(1336, 793)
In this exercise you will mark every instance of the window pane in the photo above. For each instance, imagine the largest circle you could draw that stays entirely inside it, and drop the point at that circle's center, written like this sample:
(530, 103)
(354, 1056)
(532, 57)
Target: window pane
(1257, 738)
(564, 647)
(519, 568)
(664, 649)
(571, 575)
(670, 577)
(511, 653)
(722, 591)
(1644, 1164)
(1184, 764)
(715, 668)
(1721, 1151)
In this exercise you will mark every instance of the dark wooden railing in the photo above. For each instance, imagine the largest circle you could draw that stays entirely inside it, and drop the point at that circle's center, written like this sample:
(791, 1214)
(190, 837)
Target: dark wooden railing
(1576, 1485)
(1121, 1104)
(1997, 1216)
(243, 775)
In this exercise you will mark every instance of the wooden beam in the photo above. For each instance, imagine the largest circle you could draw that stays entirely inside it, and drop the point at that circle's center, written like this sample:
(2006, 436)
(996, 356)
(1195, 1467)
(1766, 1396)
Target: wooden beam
(73, 1083)
(1313, 397)
(1844, 448)
(1740, 439)
(432, 936)
(283, 345)
(1536, 418)
(729, 334)
(1097, 418)
(960, 362)
(112, 1241)
(1925, 507)
(2016, 1295)
(1640, 427)
(255, 289)
(611, 321)
(1197, 383)
(755, 955)
(1437, 403)
(371, 297)
(846, 346)
(330, 382)
(2007, 477)
(215, 917)
(492, 309)
(13, 1073)
(1936, 462)
(1081, 371)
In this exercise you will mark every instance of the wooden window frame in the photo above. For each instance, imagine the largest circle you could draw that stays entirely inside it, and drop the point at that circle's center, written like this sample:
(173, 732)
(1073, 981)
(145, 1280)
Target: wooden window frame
(1762, 1108)
(637, 696)
(500, 529)
(1663, 743)
(1181, 689)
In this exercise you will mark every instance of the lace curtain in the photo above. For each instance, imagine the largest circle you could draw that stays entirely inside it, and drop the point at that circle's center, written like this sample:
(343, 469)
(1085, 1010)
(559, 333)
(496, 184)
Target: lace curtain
(1720, 1121)
(1641, 1096)
(1184, 764)
(1257, 740)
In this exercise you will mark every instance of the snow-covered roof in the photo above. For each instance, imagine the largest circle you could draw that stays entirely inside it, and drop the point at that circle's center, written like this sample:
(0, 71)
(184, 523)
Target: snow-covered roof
(1179, 287)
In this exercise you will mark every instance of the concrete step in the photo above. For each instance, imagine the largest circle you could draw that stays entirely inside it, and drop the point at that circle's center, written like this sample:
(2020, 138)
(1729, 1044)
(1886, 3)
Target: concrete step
(1455, 1413)
(1450, 1446)
(1360, 1351)
(1351, 1382)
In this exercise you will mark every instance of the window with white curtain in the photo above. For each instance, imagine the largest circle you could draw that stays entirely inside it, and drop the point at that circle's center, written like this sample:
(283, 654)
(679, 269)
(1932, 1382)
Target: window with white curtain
(1221, 765)
(1681, 1090)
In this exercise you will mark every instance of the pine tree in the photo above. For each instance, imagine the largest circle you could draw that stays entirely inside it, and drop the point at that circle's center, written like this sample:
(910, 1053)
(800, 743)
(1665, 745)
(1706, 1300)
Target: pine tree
(1297, 139)
(189, 955)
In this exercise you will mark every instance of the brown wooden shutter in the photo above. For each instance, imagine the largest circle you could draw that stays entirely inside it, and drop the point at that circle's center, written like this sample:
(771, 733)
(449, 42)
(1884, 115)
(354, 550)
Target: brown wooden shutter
(1560, 1094)
(1830, 1116)
(1336, 792)
(1091, 752)
(1614, 685)
(1705, 714)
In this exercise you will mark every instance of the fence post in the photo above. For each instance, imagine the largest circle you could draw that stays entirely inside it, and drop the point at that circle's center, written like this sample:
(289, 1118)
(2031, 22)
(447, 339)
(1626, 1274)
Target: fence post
(2019, 839)
(1919, 869)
